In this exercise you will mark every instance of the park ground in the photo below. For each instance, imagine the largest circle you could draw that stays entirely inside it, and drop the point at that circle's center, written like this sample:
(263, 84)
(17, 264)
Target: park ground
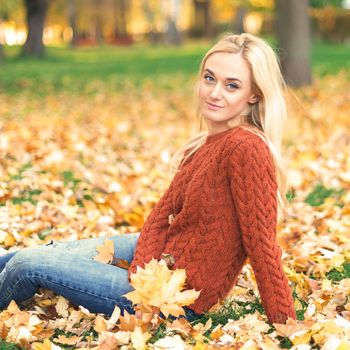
(79, 159)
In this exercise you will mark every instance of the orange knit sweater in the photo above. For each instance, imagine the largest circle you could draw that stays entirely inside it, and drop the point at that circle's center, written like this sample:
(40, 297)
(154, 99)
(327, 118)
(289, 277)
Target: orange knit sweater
(224, 202)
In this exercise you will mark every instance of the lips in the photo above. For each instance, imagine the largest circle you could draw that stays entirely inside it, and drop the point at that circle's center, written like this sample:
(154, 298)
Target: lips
(213, 106)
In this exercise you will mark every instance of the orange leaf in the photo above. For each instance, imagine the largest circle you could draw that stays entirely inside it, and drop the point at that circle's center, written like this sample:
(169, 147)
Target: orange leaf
(122, 263)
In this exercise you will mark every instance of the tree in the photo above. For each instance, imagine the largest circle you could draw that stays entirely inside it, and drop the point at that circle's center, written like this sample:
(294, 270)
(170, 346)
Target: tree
(36, 11)
(152, 14)
(238, 22)
(202, 25)
(121, 11)
(98, 22)
(172, 35)
(72, 18)
(293, 29)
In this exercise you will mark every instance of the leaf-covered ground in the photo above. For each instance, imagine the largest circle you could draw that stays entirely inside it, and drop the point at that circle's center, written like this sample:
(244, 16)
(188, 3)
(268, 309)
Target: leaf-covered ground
(77, 166)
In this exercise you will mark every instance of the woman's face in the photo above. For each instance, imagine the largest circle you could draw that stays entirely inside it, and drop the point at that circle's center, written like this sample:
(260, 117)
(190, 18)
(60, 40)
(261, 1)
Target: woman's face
(225, 90)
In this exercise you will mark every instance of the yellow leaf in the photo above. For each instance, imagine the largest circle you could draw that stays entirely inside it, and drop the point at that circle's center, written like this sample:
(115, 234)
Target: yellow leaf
(172, 309)
(9, 240)
(133, 296)
(155, 285)
(67, 340)
(106, 252)
(46, 345)
(139, 338)
(301, 337)
(100, 324)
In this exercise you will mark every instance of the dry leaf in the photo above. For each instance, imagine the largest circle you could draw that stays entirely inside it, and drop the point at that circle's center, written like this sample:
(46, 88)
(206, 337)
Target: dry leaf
(105, 252)
(67, 340)
(139, 338)
(100, 324)
(62, 306)
(156, 285)
(122, 263)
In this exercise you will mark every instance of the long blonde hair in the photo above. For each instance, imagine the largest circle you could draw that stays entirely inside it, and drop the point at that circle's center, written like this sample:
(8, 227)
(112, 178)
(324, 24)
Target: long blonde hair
(266, 117)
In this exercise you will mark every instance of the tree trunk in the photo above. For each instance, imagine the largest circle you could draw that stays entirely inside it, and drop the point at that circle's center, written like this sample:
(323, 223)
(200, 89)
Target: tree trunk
(172, 35)
(72, 18)
(121, 12)
(36, 14)
(98, 22)
(202, 19)
(293, 29)
(150, 16)
(238, 22)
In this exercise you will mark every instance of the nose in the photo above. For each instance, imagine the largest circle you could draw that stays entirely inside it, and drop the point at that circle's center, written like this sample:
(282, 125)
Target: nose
(216, 91)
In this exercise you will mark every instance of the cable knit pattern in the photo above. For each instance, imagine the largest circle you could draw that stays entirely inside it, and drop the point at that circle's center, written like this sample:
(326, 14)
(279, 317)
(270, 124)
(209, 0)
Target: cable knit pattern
(224, 202)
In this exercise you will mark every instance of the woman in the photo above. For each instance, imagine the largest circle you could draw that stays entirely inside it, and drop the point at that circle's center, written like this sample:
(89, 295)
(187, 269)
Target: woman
(221, 207)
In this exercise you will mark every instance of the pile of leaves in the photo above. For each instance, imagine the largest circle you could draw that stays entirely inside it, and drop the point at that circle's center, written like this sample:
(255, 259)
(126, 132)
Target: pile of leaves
(74, 167)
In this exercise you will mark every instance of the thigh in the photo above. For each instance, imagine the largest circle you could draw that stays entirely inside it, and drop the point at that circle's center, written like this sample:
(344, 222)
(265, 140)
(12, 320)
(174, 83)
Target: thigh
(124, 246)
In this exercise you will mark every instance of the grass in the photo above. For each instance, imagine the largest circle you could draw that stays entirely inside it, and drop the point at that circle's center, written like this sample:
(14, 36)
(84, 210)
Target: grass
(75, 70)
(8, 346)
(84, 70)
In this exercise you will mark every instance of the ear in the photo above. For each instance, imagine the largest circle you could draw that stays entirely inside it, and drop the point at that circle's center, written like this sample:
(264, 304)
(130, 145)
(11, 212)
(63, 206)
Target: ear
(253, 99)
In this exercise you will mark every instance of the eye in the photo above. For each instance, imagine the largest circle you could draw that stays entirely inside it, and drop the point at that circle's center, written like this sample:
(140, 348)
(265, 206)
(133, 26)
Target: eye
(232, 86)
(206, 76)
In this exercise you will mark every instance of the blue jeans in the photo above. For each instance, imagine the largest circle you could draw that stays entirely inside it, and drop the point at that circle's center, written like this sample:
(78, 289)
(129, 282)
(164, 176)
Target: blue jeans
(68, 269)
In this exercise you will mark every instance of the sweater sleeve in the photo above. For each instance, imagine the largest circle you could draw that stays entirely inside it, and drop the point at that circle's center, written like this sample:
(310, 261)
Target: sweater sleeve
(153, 233)
(254, 190)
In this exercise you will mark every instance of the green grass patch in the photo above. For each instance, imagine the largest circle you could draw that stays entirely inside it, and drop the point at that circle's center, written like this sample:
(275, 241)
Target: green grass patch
(8, 346)
(339, 273)
(27, 196)
(320, 193)
(87, 70)
(328, 58)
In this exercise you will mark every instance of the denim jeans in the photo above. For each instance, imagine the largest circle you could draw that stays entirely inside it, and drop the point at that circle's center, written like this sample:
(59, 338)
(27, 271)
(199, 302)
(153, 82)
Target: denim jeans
(68, 269)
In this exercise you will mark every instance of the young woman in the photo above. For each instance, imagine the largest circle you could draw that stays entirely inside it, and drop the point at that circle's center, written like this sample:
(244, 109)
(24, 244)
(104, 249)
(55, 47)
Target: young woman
(220, 209)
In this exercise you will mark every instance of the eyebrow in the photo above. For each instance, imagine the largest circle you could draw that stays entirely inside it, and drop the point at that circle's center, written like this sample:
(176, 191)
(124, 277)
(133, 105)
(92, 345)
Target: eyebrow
(211, 72)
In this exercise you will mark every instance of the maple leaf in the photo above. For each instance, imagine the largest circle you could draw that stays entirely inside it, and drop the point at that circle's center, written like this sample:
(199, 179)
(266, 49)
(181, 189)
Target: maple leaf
(105, 252)
(156, 285)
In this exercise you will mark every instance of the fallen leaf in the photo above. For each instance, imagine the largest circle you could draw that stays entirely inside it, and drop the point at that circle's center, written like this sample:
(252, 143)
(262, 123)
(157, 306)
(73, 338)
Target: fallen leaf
(105, 252)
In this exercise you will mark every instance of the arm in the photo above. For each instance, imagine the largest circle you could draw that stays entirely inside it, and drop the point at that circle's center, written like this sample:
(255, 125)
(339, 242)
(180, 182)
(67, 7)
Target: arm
(152, 239)
(153, 234)
(254, 191)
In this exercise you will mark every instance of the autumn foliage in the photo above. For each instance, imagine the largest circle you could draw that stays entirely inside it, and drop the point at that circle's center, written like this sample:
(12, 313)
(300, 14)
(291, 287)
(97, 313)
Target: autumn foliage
(82, 166)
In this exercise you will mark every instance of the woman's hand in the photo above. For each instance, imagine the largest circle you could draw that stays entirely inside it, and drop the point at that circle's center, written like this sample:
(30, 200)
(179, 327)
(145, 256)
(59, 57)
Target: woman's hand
(169, 259)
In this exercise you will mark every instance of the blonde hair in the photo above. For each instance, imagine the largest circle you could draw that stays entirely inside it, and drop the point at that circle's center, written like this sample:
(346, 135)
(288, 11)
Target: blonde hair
(266, 117)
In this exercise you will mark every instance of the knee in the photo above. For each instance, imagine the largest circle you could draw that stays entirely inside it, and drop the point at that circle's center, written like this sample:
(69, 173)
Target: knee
(23, 263)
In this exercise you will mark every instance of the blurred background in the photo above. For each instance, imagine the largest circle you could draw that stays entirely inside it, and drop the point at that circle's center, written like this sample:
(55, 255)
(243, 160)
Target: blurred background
(97, 95)
(105, 30)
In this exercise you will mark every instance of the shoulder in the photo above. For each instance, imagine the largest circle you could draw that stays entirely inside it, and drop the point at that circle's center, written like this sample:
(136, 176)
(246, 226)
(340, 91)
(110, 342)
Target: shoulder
(243, 142)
